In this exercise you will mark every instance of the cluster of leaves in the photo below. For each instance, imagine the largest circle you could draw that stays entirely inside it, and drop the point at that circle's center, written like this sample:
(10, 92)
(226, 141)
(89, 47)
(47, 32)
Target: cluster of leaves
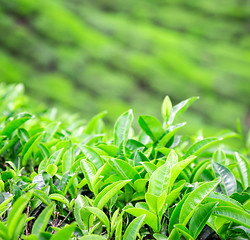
(199, 44)
(61, 181)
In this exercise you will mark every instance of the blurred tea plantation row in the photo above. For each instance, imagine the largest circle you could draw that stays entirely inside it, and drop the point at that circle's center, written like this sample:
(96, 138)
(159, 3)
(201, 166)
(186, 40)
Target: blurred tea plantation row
(88, 56)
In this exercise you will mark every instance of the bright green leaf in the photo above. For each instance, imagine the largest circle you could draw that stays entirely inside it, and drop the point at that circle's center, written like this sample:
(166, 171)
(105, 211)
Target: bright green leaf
(233, 214)
(184, 231)
(166, 108)
(195, 199)
(180, 108)
(64, 233)
(150, 218)
(133, 228)
(199, 146)
(108, 192)
(151, 126)
(122, 126)
(16, 123)
(159, 180)
(200, 218)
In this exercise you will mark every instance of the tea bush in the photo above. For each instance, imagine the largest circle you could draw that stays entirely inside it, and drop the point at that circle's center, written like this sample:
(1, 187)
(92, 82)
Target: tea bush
(62, 178)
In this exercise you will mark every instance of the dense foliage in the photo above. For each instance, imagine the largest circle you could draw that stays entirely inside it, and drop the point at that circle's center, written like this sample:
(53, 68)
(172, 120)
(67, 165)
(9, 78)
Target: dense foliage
(115, 55)
(65, 180)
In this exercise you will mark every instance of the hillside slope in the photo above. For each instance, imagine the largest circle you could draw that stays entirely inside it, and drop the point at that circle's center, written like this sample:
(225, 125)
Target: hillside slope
(115, 54)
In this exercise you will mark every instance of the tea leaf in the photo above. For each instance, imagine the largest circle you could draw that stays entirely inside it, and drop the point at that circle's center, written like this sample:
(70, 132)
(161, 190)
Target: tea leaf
(64, 233)
(122, 126)
(155, 203)
(41, 222)
(171, 197)
(151, 126)
(150, 218)
(92, 237)
(233, 214)
(166, 108)
(89, 172)
(124, 169)
(29, 146)
(184, 231)
(159, 180)
(15, 123)
(228, 182)
(101, 215)
(180, 108)
(92, 155)
(244, 170)
(194, 200)
(16, 213)
(108, 192)
(199, 146)
(59, 198)
(133, 228)
(200, 218)
(42, 196)
(178, 168)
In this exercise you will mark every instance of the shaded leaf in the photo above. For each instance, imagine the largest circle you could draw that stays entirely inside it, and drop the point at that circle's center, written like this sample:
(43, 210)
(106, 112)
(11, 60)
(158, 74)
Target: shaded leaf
(171, 131)
(42, 196)
(41, 222)
(174, 219)
(199, 170)
(173, 195)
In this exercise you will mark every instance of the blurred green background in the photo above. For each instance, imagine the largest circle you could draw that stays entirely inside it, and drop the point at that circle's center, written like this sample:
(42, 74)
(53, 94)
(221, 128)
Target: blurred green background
(88, 56)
